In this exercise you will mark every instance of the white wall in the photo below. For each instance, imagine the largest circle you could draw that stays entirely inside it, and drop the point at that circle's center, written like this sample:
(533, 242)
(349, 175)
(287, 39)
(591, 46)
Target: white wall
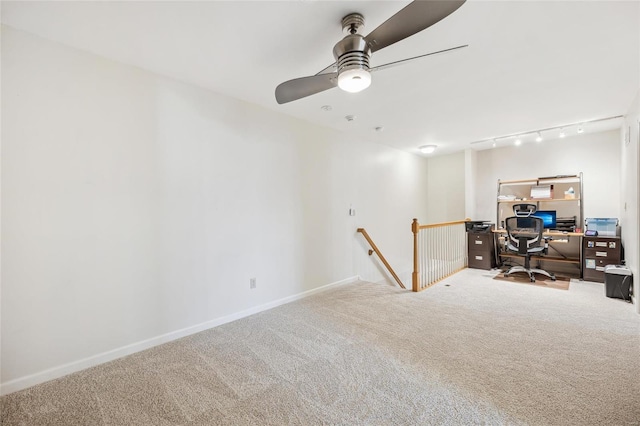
(471, 170)
(446, 188)
(135, 208)
(390, 185)
(596, 155)
(630, 200)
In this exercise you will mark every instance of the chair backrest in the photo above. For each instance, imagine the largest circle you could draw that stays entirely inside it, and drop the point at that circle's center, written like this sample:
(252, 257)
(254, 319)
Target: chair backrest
(525, 233)
(524, 209)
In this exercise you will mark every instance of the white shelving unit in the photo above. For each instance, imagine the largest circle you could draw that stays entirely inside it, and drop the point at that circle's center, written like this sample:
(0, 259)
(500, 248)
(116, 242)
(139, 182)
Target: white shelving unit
(520, 190)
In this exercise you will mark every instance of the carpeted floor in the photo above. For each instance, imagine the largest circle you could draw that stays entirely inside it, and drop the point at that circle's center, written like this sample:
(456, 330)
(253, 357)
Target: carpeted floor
(560, 283)
(469, 350)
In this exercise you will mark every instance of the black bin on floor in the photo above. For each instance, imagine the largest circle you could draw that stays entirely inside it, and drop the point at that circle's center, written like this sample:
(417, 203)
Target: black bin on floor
(617, 281)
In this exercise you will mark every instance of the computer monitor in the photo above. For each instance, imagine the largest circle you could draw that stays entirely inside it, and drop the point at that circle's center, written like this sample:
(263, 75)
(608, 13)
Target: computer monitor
(548, 218)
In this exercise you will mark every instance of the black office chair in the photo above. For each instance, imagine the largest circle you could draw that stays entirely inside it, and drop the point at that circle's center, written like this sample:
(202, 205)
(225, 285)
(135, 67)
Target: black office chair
(524, 236)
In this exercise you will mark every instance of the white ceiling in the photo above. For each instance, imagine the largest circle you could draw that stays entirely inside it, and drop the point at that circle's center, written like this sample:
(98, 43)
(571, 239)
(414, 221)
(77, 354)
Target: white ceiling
(529, 65)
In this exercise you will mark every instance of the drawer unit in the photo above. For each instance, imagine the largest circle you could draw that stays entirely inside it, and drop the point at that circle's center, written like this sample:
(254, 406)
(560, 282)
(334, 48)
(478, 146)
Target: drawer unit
(598, 252)
(481, 250)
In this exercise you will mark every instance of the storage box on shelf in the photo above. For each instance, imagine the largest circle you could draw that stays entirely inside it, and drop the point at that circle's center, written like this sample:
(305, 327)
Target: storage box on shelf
(605, 227)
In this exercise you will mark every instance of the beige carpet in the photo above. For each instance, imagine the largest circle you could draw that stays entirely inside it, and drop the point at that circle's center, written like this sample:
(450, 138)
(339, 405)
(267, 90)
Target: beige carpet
(469, 350)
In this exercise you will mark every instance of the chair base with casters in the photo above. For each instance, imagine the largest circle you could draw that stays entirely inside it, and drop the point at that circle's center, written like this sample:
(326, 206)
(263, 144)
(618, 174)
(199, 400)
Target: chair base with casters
(527, 266)
(527, 261)
(530, 271)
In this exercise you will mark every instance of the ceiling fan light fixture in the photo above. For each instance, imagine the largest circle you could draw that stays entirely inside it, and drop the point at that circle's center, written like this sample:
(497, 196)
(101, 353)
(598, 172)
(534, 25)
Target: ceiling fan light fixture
(428, 149)
(354, 80)
(354, 50)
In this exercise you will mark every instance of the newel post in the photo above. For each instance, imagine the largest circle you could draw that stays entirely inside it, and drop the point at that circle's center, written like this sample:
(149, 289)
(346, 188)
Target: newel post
(415, 228)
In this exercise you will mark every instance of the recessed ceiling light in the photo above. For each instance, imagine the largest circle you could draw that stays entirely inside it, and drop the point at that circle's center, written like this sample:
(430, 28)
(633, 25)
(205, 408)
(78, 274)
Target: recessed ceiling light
(428, 149)
(350, 117)
(379, 129)
(562, 133)
(539, 137)
(580, 129)
(518, 142)
(326, 108)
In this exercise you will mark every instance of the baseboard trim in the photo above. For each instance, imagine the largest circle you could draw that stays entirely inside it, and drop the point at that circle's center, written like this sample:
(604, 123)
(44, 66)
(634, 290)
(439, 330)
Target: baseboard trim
(75, 366)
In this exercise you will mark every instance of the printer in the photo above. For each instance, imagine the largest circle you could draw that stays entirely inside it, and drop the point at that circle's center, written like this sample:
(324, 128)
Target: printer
(479, 226)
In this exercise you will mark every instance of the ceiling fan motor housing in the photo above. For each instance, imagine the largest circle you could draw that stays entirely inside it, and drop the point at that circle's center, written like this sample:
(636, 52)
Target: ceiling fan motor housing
(352, 52)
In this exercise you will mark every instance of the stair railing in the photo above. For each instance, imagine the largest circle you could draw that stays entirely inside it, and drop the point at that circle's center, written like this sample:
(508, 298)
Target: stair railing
(377, 251)
(439, 250)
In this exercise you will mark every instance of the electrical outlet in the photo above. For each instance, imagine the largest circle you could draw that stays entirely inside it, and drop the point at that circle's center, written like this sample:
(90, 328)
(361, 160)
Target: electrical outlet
(252, 283)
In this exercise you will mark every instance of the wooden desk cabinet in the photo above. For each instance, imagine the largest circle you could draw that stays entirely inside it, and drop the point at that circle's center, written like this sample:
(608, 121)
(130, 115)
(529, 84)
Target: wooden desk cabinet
(598, 252)
(481, 250)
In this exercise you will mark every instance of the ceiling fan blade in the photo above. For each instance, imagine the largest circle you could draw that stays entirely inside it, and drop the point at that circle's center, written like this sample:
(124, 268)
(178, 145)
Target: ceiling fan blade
(325, 70)
(401, 61)
(305, 86)
(415, 17)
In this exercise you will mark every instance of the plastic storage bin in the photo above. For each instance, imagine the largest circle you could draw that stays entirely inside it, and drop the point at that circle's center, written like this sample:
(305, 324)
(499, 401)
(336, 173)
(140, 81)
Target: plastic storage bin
(617, 281)
(606, 226)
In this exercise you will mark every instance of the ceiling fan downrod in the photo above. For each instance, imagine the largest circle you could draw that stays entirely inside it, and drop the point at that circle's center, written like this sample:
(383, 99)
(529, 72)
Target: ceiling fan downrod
(352, 23)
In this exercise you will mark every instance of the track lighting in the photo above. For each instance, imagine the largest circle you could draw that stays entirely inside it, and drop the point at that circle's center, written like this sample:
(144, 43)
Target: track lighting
(579, 127)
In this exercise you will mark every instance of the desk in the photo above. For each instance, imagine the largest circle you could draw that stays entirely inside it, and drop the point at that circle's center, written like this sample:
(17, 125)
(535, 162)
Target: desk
(559, 242)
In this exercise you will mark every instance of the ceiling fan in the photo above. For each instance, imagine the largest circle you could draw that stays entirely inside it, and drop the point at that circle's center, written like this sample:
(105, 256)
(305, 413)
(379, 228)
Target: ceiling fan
(351, 71)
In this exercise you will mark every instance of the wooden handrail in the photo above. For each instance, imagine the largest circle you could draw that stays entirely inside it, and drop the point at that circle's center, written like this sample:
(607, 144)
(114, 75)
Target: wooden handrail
(384, 261)
(437, 225)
